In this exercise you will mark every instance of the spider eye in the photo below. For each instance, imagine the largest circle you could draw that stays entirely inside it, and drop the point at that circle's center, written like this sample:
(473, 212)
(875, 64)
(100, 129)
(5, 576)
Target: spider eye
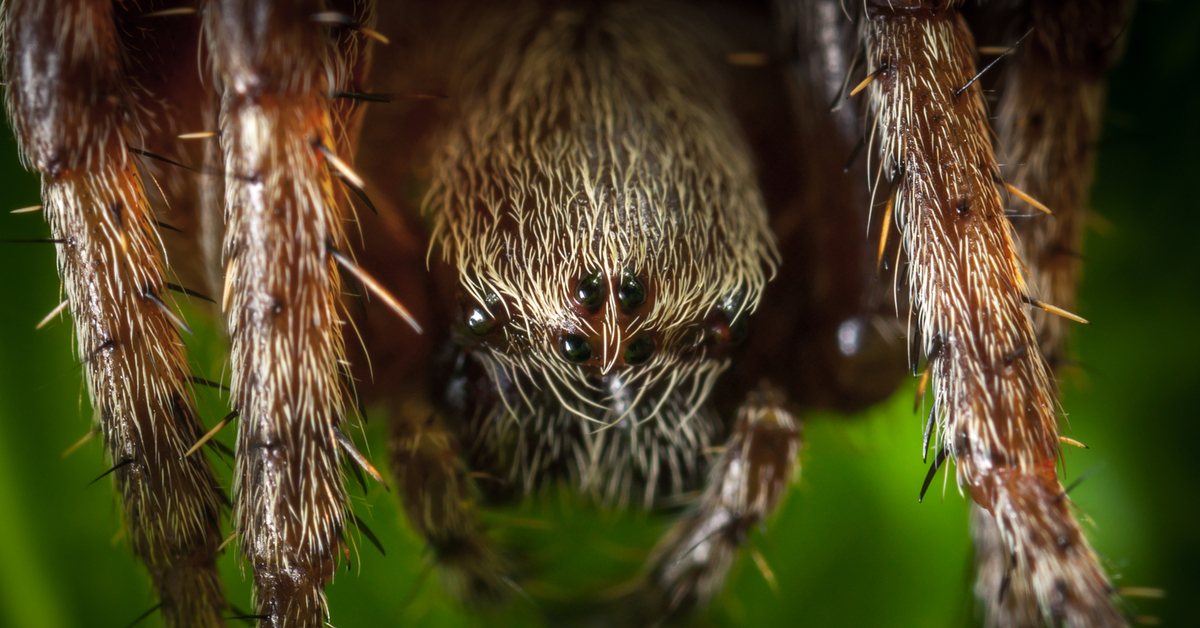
(479, 321)
(639, 350)
(575, 348)
(590, 291)
(631, 294)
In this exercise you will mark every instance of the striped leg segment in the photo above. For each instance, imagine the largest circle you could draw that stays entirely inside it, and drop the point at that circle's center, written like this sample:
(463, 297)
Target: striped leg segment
(1048, 121)
(993, 393)
(744, 488)
(71, 107)
(277, 62)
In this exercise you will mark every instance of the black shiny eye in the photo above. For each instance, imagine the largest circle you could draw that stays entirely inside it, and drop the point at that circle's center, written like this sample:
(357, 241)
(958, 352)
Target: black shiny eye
(631, 294)
(575, 348)
(639, 350)
(590, 291)
(479, 321)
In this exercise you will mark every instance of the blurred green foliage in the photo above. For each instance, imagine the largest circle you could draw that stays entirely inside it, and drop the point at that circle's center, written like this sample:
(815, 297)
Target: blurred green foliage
(850, 547)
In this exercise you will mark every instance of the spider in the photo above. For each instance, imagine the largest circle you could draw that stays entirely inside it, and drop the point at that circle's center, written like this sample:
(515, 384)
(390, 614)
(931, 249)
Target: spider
(623, 200)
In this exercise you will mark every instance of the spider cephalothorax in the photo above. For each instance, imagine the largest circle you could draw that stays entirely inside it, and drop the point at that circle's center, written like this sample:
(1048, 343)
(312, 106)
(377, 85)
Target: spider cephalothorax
(600, 209)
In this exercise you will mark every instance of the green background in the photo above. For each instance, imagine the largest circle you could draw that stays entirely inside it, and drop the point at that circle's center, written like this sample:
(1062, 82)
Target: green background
(851, 546)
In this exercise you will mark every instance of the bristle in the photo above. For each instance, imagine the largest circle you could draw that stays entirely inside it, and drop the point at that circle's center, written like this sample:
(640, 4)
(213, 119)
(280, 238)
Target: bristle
(205, 382)
(188, 291)
(361, 460)
(341, 167)
(362, 527)
(374, 34)
(120, 465)
(765, 570)
(168, 312)
(80, 443)
(838, 98)
(854, 153)
(1072, 441)
(883, 240)
(1028, 199)
(143, 616)
(55, 312)
(210, 433)
(335, 18)
(867, 81)
(359, 96)
(1056, 310)
(341, 19)
(933, 469)
(362, 196)
(165, 160)
(1081, 479)
(930, 424)
(922, 383)
(989, 51)
(376, 288)
(747, 59)
(968, 84)
(171, 12)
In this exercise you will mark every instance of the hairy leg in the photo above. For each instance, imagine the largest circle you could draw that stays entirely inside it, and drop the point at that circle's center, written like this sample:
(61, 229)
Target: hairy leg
(993, 392)
(439, 499)
(73, 109)
(285, 148)
(752, 474)
(1048, 122)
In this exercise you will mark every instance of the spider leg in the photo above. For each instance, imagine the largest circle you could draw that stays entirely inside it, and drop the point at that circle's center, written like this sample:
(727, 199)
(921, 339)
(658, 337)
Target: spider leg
(993, 393)
(73, 110)
(436, 492)
(284, 148)
(747, 483)
(1048, 123)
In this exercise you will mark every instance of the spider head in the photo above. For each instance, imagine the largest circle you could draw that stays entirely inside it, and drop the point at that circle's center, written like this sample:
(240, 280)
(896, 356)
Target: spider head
(615, 360)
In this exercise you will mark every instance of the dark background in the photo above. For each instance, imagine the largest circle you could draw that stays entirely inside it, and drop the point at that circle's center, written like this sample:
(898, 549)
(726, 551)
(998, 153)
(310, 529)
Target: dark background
(851, 546)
